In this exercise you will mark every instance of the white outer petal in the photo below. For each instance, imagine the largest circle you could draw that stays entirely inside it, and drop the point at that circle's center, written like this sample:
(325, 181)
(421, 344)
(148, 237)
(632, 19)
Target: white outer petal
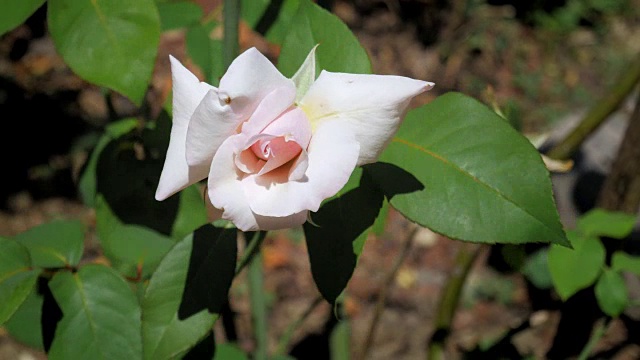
(332, 157)
(251, 77)
(188, 92)
(226, 192)
(372, 106)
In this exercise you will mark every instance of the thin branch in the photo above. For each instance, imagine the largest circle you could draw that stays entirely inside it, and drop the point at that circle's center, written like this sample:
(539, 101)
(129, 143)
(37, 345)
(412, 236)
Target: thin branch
(231, 44)
(601, 110)
(382, 298)
(450, 298)
(285, 339)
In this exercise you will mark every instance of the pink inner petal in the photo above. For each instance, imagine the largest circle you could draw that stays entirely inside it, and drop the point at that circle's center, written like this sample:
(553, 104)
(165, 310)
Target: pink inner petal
(277, 151)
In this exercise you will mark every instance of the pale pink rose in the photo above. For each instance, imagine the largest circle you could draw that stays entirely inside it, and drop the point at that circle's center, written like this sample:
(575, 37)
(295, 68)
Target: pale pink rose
(275, 148)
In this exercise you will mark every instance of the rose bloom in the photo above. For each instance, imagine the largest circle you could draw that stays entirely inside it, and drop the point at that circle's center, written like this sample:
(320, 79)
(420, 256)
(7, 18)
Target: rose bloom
(274, 148)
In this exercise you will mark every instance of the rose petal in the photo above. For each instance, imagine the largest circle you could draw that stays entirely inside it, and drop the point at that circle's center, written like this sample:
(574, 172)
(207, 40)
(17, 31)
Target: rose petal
(250, 77)
(226, 192)
(332, 156)
(250, 81)
(371, 106)
(211, 124)
(188, 92)
(272, 106)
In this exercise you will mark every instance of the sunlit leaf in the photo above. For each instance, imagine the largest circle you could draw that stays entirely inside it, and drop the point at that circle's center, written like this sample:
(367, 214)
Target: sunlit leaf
(599, 222)
(15, 12)
(164, 335)
(611, 293)
(577, 268)
(483, 181)
(339, 49)
(110, 43)
(101, 316)
(55, 244)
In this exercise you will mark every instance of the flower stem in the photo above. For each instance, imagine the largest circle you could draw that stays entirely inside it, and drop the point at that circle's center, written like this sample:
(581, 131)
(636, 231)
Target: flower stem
(258, 306)
(231, 43)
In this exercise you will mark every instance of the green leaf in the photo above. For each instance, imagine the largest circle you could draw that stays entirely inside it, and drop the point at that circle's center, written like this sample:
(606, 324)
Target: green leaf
(17, 278)
(109, 43)
(600, 222)
(536, 269)
(176, 15)
(339, 49)
(278, 30)
(206, 52)
(229, 352)
(621, 261)
(483, 181)
(191, 213)
(87, 183)
(129, 247)
(164, 335)
(101, 316)
(25, 325)
(577, 268)
(333, 231)
(253, 10)
(611, 293)
(212, 267)
(55, 244)
(15, 12)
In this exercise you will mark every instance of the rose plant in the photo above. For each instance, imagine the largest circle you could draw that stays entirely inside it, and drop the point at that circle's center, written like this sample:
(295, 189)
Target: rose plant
(280, 146)
(275, 148)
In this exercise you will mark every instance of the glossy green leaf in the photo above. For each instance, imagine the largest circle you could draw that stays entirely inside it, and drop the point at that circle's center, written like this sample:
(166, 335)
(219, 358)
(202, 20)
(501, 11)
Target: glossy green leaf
(339, 49)
(621, 261)
(611, 293)
(164, 335)
(87, 183)
(129, 247)
(191, 212)
(24, 325)
(17, 278)
(101, 316)
(483, 181)
(176, 15)
(599, 222)
(15, 12)
(109, 43)
(55, 244)
(577, 268)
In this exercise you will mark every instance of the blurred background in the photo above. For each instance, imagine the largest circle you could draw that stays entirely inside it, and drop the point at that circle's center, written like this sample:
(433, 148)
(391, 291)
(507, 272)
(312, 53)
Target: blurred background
(541, 63)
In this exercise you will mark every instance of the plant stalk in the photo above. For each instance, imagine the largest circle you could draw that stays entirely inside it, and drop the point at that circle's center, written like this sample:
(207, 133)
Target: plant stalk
(596, 116)
(231, 42)
(258, 307)
(450, 298)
